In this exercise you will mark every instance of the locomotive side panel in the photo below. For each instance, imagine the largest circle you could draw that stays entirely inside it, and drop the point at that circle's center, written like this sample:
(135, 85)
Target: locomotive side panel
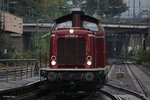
(100, 52)
(100, 47)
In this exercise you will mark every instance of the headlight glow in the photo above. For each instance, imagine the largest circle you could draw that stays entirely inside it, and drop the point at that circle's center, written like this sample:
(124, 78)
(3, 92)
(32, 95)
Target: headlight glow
(53, 63)
(89, 62)
(71, 31)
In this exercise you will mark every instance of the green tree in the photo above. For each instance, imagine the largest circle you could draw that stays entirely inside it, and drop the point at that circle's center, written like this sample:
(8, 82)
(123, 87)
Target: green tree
(31, 10)
(94, 7)
(148, 38)
(54, 9)
(105, 7)
(116, 7)
(49, 10)
(28, 9)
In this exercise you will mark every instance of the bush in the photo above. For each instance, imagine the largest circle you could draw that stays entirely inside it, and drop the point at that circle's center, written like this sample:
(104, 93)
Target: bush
(144, 57)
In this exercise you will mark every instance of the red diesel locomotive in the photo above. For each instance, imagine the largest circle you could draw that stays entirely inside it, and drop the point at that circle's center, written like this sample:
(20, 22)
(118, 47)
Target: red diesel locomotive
(77, 54)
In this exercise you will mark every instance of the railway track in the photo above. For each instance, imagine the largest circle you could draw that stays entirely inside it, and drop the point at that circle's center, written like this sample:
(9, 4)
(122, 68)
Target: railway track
(138, 95)
(111, 95)
(124, 85)
(101, 95)
(21, 93)
(145, 91)
(33, 92)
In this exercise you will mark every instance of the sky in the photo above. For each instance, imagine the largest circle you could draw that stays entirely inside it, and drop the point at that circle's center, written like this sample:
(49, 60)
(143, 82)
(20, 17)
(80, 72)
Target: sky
(141, 8)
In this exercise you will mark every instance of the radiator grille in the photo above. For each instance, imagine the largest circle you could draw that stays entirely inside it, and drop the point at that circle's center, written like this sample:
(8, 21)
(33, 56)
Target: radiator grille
(71, 50)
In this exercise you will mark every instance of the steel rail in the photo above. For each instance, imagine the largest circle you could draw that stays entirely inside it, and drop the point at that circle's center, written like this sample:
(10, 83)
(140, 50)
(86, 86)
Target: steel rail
(139, 82)
(127, 91)
(21, 92)
(28, 95)
(32, 90)
(109, 95)
(91, 95)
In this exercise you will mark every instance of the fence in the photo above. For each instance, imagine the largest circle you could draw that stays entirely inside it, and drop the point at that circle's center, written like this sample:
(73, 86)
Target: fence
(128, 21)
(15, 69)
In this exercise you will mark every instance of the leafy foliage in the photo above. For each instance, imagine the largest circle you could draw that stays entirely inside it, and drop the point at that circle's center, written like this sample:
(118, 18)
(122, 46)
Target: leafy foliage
(116, 7)
(43, 48)
(148, 38)
(26, 8)
(54, 9)
(106, 7)
(12, 54)
(144, 56)
(92, 7)
(49, 10)
(31, 10)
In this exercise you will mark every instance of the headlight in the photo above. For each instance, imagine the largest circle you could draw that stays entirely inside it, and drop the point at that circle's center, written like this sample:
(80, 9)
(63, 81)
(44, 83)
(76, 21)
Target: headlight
(52, 76)
(71, 31)
(89, 63)
(89, 76)
(53, 63)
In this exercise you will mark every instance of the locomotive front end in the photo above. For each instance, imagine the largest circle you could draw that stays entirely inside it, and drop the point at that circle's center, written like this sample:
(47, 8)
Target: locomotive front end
(76, 63)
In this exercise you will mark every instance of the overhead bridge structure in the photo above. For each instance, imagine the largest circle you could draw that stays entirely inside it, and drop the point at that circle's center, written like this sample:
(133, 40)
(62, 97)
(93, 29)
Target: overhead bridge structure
(109, 28)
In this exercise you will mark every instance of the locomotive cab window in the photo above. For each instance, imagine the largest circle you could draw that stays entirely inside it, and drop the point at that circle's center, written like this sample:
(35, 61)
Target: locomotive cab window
(91, 26)
(66, 24)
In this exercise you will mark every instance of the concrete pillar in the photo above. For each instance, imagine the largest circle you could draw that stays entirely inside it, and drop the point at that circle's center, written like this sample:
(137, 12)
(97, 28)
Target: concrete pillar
(27, 42)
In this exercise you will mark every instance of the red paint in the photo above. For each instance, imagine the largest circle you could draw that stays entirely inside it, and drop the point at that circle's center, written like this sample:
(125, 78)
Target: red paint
(95, 43)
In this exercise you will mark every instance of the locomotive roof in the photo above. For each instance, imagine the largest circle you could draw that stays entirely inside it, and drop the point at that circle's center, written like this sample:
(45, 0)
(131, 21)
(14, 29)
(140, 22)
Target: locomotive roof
(83, 17)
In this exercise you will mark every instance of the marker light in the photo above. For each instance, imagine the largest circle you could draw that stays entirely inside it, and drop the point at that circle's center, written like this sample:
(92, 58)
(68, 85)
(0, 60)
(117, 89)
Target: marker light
(89, 58)
(89, 62)
(53, 63)
(53, 58)
(71, 31)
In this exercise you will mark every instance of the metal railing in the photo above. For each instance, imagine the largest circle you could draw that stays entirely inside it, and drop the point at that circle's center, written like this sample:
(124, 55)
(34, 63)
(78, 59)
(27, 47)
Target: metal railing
(15, 69)
(109, 20)
(127, 21)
